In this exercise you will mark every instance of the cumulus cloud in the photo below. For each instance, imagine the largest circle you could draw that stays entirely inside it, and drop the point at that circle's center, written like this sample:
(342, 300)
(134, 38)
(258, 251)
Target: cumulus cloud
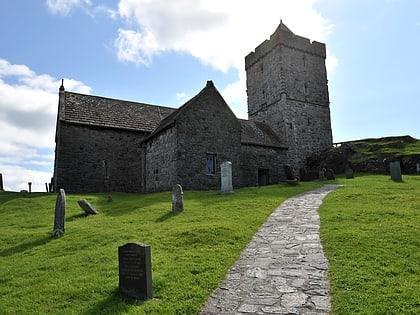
(28, 109)
(219, 33)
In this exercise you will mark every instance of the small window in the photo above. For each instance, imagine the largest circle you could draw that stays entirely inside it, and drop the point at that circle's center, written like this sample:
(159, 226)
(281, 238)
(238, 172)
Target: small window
(210, 164)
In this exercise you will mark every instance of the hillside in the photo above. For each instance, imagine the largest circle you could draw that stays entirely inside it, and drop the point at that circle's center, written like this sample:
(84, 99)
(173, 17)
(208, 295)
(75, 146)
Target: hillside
(371, 155)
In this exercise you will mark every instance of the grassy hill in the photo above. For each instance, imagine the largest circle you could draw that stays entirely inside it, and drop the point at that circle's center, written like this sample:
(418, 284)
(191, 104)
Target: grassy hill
(371, 155)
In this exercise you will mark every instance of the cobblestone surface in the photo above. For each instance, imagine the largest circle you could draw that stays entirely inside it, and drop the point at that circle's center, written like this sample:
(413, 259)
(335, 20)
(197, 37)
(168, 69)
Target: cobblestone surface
(283, 270)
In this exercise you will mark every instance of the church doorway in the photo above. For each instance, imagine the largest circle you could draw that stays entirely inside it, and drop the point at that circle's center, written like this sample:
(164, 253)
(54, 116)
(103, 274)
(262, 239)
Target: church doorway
(263, 177)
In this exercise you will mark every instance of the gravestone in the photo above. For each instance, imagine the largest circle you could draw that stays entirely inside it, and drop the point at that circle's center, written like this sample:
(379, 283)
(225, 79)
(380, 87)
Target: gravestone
(177, 199)
(322, 174)
(87, 207)
(30, 187)
(60, 214)
(226, 177)
(395, 170)
(349, 173)
(1, 182)
(135, 270)
(330, 174)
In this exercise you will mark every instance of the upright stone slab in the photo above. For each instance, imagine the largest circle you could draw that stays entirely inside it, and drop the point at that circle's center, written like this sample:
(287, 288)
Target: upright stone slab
(395, 170)
(349, 173)
(1, 182)
(135, 270)
(177, 199)
(330, 174)
(226, 177)
(60, 214)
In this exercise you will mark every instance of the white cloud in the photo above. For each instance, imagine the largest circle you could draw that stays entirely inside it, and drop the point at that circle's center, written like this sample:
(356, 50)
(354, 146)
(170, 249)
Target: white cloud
(217, 32)
(28, 109)
(64, 7)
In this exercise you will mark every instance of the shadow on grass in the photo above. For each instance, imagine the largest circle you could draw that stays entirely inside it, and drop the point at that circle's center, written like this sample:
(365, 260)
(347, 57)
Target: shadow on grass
(26, 246)
(76, 216)
(165, 217)
(115, 303)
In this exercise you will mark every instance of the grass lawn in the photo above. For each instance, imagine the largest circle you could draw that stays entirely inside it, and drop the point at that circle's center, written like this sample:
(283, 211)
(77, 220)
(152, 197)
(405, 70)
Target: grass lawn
(78, 273)
(370, 231)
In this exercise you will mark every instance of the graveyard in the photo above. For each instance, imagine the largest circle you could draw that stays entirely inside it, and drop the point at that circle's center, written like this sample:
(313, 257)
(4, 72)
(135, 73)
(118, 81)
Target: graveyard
(370, 230)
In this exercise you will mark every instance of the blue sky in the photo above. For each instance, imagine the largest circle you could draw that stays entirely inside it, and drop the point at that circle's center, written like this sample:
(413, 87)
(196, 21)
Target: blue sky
(163, 52)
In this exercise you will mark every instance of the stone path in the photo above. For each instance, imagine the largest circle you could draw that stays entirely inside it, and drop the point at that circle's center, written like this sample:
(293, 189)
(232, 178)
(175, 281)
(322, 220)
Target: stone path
(283, 270)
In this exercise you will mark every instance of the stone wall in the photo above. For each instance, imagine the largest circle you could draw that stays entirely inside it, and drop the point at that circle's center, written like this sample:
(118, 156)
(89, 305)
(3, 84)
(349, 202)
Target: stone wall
(86, 154)
(287, 89)
(256, 159)
(209, 127)
(161, 156)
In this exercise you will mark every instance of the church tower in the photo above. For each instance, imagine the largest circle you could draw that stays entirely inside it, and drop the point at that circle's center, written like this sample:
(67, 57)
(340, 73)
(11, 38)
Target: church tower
(287, 89)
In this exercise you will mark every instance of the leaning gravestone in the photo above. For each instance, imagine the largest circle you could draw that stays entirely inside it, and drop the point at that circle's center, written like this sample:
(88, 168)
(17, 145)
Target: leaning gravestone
(87, 207)
(177, 199)
(135, 270)
(226, 177)
(60, 214)
(395, 170)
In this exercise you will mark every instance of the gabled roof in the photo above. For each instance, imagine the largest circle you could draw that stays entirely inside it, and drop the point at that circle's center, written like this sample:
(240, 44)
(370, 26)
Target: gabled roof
(207, 94)
(260, 134)
(112, 113)
(283, 27)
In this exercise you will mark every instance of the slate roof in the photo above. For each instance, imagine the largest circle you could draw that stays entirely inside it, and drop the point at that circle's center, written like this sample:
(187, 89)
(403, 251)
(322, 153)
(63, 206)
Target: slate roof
(112, 113)
(259, 133)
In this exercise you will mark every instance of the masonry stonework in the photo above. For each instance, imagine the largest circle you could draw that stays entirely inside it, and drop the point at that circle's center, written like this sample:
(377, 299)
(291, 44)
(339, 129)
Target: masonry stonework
(287, 89)
(105, 144)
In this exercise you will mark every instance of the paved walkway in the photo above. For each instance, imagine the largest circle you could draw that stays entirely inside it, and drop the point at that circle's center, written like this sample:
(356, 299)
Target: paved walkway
(283, 270)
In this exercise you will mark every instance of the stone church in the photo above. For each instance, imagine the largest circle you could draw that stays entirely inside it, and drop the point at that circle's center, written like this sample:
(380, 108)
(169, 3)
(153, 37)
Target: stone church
(105, 144)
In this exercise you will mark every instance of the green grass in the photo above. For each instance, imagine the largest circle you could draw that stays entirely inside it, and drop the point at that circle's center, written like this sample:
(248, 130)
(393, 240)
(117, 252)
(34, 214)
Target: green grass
(78, 273)
(370, 231)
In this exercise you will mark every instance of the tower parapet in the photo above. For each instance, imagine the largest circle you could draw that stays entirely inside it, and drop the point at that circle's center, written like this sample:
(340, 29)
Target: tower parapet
(284, 36)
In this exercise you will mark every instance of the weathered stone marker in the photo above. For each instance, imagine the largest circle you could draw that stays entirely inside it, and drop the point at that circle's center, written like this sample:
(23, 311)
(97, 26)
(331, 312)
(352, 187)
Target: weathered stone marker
(30, 187)
(135, 270)
(330, 174)
(322, 174)
(87, 207)
(177, 199)
(1, 182)
(395, 170)
(226, 177)
(349, 173)
(60, 214)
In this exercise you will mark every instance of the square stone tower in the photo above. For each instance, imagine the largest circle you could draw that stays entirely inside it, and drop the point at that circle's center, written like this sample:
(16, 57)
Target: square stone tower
(287, 89)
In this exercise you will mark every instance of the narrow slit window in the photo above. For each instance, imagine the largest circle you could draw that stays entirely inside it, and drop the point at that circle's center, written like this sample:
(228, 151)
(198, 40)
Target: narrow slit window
(210, 164)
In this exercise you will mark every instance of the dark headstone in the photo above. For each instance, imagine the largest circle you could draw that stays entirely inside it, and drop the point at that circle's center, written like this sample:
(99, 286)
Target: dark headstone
(30, 187)
(135, 270)
(395, 171)
(330, 174)
(349, 173)
(288, 171)
(60, 214)
(322, 174)
(87, 207)
(177, 199)
(1, 182)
